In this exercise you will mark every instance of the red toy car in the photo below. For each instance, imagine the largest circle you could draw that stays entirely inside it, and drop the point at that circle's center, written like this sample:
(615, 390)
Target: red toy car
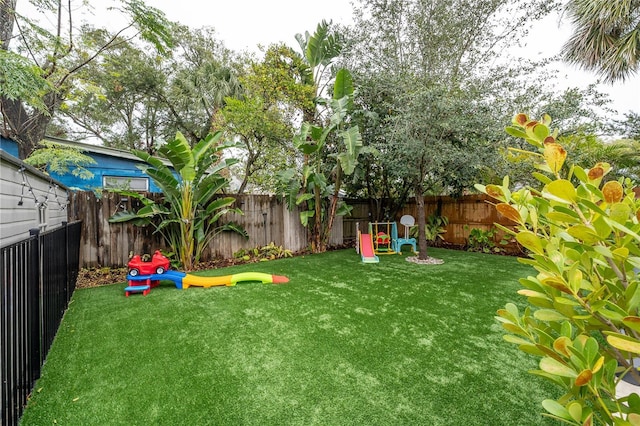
(158, 265)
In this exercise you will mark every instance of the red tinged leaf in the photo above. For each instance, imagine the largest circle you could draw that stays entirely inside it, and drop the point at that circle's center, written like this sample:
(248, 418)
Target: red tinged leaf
(560, 345)
(612, 192)
(554, 156)
(584, 377)
(595, 173)
(495, 191)
(520, 119)
(509, 212)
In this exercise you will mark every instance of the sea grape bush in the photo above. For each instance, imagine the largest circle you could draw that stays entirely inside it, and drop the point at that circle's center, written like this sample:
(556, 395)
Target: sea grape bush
(581, 233)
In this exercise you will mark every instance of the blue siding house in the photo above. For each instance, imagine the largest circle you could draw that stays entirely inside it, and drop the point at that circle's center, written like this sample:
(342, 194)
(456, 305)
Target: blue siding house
(114, 168)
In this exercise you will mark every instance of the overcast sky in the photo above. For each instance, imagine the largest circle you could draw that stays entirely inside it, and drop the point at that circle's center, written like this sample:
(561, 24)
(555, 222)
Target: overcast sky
(243, 24)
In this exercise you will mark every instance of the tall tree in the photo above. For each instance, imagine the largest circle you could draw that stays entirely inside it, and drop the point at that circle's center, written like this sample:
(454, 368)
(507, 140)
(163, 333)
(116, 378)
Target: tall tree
(263, 136)
(605, 37)
(118, 98)
(432, 60)
(263, 119)
(134, 98)
(54, 56)
(438, 146)
(204, 73)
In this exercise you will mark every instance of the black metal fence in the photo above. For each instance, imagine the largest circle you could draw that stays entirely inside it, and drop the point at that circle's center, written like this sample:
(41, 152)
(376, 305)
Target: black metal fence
(38, 278)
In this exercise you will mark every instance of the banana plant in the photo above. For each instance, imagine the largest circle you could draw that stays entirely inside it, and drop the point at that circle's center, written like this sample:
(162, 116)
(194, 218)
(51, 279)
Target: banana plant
(188, 218)
(313, 186)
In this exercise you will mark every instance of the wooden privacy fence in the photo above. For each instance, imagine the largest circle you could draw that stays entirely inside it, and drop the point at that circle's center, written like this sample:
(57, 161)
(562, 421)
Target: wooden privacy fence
(464, 214)
(266, 219)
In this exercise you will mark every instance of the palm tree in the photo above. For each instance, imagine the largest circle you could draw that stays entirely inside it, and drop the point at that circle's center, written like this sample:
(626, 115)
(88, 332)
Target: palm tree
(622, 154)
(606, 37)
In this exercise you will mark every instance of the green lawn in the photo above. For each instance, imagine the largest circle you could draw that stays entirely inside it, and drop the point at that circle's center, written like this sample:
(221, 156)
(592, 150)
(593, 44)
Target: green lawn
(343, 343)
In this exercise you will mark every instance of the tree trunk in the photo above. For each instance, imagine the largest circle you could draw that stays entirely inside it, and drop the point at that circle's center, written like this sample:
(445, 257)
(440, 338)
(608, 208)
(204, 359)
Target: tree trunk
(28, 128)
(251, 159)
(316, 234)
(7, 18)
(422, 240)
(333, 207)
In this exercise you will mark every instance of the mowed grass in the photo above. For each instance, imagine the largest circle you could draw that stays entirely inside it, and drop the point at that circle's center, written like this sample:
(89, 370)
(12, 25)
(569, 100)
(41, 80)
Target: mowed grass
(343, 343)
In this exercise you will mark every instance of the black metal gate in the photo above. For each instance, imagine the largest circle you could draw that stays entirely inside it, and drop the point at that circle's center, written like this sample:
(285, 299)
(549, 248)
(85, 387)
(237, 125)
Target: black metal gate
(38, 278)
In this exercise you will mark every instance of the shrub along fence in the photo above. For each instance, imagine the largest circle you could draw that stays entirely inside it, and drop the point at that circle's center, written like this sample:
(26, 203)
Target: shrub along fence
(38, 278)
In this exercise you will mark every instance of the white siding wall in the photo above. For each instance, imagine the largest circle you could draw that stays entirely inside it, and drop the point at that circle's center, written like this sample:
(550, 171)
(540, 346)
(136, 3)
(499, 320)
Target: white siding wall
(22, 195)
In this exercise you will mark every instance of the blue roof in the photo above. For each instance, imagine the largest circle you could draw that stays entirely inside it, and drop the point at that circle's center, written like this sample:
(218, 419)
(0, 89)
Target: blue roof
(110, 163)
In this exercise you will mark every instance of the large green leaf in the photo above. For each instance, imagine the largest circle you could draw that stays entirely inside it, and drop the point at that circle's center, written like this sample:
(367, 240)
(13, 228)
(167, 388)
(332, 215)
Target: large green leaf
(623, 342)
(148, 158)
(340, 108)
(343, 209)
(145, 213)
(620, 212)
(557, 216)
(290, 187)
(301, 198)
(236, 228)
(549, 315)
(126, 216)
(315, 49)
(208, 187)
(305, 215)
(204, 145)
(164, 179)
(218, 204)
(321, 47)
(179, 153)
(343, 85)
(310, 139)
(583, 233)
(515, 132)
(223, 212)
(622, 228)
(221, 165)
(561, 190)
(349, 158)
(553, 366)
(537, 132)
(556, 409)
(531, 241)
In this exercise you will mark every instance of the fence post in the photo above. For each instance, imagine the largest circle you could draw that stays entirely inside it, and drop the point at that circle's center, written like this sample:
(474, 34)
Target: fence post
(35, 303)
(66, 262)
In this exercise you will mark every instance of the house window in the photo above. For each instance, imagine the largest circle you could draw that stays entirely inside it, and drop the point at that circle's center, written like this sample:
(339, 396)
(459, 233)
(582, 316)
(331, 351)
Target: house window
(126, 182)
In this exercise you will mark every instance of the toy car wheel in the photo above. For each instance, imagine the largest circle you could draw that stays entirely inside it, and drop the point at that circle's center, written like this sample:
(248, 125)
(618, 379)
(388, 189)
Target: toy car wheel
(159, 270)
(133, 272)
